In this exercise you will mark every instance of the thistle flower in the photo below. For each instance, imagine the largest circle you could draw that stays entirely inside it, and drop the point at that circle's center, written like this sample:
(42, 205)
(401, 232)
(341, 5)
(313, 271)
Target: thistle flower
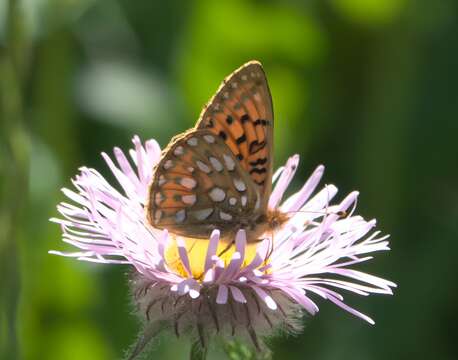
(191, 286)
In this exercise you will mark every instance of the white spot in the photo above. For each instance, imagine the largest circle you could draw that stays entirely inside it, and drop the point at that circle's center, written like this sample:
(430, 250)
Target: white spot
(158, 198)
(157, 216)
(217, 194)
(225, 216)
(162, 180)
(189, 199)
(232, 201)
(244, 200)
(188, 183)
(239, 185)
(178, 151)
(230, 164)
(209, 138)
(190, 169)
(192, 141)
(234, 85)
(168, 164)
(216, 107)
(203, 167)
(226, 95)
(252, 74)
(180, 216)
(202, 214)
(244, 78)
(216, 163)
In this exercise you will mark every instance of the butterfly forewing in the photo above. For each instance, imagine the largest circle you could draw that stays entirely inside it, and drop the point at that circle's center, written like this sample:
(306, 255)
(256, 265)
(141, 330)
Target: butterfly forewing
(241, 114)
(199, 185)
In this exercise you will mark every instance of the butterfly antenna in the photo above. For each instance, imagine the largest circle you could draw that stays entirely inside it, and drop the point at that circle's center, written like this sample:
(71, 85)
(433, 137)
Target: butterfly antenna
(341, 213)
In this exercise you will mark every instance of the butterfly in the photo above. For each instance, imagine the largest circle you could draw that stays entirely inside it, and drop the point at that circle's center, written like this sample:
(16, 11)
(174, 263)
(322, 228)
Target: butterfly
(218, 175)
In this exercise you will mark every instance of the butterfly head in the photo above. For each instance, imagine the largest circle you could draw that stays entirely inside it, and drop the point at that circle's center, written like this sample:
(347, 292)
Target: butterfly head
(276, 218)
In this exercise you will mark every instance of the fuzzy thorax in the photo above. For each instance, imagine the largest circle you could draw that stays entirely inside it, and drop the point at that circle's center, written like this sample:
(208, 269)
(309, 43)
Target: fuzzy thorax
(266, 225)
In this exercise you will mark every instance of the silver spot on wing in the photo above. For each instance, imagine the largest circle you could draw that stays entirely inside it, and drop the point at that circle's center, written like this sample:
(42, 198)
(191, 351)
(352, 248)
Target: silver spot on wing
(230, 163)
(189, 199)
(180, 216)
(179, 150)
(203, 167)
(192, 141)
(225, 216)
(217, 194)
(216, 163)
(202, 214)
(239, 185)
(188, 183)
(209, 138)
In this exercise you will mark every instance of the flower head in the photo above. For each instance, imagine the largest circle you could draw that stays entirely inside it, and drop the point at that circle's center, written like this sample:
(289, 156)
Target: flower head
(191, 285)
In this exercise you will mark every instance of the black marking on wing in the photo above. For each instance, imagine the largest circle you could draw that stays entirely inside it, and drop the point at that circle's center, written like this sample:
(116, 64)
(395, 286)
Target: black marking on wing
(244, 118)
(261, 122)
(258, 171)
(255, 146)
(223, 135)
(260, 161)
(241, 139)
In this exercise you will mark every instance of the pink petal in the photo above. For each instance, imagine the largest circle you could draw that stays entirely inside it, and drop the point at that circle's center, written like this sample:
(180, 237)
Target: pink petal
(283, 181)
(221, 297)
(237, 294)
(296, 201)
(271, 304)
(211, 249)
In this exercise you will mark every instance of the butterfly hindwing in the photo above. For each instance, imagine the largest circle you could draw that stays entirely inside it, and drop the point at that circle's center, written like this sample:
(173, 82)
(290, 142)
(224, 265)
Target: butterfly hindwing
(241, 114)
(199, 185)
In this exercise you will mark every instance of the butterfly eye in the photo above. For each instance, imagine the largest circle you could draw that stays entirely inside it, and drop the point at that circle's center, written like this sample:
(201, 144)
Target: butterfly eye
(342, 214)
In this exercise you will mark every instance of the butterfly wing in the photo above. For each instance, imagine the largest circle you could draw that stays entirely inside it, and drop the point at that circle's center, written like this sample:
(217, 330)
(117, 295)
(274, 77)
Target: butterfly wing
(241, 114)
(198, 186)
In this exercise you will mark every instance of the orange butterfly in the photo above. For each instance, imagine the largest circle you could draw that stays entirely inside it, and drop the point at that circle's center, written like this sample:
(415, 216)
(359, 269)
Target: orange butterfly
(218, 175)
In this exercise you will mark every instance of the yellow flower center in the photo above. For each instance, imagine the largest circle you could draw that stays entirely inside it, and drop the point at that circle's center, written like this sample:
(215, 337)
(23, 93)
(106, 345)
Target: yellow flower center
(197, 254)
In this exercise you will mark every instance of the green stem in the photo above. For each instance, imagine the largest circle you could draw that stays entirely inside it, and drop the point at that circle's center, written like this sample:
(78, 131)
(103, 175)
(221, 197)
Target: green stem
(236, 350)
(13, 177)
(198, 352)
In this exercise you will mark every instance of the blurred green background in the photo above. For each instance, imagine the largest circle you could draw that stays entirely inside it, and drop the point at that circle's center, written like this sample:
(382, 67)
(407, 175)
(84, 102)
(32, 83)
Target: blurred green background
(366, 87)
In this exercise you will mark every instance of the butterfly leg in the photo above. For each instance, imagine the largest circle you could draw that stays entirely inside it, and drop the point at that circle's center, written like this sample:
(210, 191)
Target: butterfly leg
(271, 248)
(226, 249)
